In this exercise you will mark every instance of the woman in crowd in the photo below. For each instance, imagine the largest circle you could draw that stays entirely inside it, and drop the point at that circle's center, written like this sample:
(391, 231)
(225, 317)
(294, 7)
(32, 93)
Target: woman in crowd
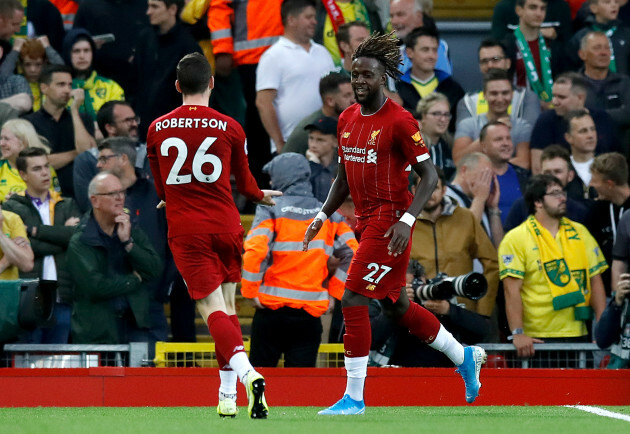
(16, 135)
(433, 113)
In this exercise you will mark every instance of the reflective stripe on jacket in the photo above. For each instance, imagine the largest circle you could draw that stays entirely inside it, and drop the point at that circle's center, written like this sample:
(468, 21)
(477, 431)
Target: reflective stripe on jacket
(279, 273)
(244, 28)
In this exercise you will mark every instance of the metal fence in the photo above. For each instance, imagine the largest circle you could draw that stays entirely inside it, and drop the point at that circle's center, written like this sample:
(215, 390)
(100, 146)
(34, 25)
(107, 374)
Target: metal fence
(202, 355)
(75, 356)
(171, 354)
(575, 356)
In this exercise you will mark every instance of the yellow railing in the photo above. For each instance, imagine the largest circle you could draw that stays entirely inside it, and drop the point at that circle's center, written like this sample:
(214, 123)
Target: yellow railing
(202, 355)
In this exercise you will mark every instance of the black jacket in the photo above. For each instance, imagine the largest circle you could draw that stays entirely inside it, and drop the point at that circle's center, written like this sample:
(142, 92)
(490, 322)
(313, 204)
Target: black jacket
(446, 85)
(48, 239)
(155, 66)
(99, 17)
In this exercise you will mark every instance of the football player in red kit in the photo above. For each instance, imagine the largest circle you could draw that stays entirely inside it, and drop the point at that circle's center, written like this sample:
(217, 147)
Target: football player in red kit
(192, 151)
(378, 140)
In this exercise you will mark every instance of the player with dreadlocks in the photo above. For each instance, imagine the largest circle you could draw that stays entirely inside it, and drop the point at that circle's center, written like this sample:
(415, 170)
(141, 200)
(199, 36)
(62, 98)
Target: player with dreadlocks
(378, 140)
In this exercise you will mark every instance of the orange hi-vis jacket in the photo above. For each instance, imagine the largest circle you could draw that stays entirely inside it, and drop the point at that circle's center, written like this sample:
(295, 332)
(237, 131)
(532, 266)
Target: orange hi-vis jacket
(279, 273)
(244, 28)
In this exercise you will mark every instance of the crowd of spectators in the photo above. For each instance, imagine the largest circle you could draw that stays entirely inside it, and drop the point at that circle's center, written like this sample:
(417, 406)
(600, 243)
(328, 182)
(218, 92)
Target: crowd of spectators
(81, 81)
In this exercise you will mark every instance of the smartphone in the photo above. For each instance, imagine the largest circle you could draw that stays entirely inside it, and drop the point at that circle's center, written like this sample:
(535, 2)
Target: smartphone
(105, 37)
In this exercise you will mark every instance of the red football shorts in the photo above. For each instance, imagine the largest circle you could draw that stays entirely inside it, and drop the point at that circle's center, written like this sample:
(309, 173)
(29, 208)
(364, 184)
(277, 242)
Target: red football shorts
(375, 273)
(205, 261)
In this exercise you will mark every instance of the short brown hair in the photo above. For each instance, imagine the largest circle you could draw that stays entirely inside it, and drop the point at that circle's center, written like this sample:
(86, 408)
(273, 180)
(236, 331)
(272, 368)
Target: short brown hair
(556, 151)
(34, 49)
(612, 166)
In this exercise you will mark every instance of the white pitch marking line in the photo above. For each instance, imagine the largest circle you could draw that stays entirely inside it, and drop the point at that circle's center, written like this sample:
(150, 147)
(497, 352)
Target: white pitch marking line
(601, 412)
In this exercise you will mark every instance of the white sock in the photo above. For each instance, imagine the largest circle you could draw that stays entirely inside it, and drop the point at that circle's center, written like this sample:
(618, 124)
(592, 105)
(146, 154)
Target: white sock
(227, 389)
(446, 343)
(240, 364)
(356, 369)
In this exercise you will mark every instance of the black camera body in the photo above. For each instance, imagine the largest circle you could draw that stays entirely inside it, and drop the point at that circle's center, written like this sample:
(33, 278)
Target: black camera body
(472, 285)
(25, 304)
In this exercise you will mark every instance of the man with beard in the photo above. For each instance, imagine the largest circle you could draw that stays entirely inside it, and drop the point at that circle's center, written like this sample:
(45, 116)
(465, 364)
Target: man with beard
(114, 119)
(550, 267)
(378, 140)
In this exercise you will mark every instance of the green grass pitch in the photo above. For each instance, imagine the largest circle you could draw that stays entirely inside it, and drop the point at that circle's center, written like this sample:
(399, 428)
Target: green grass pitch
(383, 420)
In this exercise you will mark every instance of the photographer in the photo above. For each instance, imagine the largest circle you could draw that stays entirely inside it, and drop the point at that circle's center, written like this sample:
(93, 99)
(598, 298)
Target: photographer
(393, 345)
(447, 238)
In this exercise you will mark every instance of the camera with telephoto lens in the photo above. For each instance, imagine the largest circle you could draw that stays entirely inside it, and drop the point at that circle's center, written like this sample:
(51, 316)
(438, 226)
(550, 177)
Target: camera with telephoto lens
(472, 285)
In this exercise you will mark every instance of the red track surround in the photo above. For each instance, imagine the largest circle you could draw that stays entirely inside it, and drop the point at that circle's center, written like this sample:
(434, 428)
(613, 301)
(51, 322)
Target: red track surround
(174, 387)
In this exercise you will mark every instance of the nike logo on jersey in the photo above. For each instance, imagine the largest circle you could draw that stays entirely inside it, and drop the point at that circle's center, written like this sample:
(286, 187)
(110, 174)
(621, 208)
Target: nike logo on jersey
(345, 135)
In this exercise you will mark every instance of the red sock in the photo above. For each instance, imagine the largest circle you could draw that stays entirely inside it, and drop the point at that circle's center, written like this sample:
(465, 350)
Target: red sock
(420, 322)
(235, 321)
(358, 336)
(224, 364)
(227, 339)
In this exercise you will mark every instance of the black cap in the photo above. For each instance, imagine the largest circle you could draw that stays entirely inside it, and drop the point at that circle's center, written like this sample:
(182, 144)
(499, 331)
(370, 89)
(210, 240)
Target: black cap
(325, 125)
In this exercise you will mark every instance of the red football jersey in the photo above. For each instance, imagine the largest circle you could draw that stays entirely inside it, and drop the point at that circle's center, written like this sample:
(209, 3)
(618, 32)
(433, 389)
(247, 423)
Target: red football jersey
(192, 151)
(375, 150)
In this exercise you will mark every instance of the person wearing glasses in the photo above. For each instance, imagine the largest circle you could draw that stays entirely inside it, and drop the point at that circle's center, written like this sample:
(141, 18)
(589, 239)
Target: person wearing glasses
(423, 78)
(498, 90)
(115, 119)
(434, 114)
(111, 262)
(117, 155)
(525, 105)
(551, 271)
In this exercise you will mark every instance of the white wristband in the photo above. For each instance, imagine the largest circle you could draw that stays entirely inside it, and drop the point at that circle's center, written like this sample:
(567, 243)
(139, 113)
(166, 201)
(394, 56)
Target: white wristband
(321, 216)
(408, 219)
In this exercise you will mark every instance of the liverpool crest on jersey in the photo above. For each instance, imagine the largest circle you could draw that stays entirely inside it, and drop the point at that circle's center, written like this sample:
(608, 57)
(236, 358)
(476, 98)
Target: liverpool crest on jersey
(372, 141)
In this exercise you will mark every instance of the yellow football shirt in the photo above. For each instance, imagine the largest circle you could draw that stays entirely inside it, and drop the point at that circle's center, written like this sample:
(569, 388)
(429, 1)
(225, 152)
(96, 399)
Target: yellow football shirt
(519, 258)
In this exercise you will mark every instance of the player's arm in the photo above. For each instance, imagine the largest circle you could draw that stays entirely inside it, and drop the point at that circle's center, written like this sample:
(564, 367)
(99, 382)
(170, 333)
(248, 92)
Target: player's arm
(400, 232)
(338, 193)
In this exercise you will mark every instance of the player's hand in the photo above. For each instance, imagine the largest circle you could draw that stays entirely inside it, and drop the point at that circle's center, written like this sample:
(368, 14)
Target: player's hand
(623, 289)
(311, 232)
(162, 204)
(268, 197)
(124, 227)
(400, 233)
(78, 97)
(525, 345)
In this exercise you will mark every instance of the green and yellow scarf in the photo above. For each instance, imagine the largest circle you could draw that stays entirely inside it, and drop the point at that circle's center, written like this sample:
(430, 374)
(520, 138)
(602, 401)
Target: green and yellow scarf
(566, 268)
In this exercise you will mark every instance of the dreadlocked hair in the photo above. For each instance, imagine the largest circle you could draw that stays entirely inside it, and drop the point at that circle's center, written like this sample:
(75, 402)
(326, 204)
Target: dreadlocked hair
(383, 48)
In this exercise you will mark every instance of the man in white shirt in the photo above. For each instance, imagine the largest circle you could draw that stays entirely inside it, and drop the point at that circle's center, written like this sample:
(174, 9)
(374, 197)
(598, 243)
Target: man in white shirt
(289, 71)
(581, 135)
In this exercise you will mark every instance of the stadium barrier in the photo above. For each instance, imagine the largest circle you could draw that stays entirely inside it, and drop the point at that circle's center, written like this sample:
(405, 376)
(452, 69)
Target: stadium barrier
(134, 354)
(202, 355)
